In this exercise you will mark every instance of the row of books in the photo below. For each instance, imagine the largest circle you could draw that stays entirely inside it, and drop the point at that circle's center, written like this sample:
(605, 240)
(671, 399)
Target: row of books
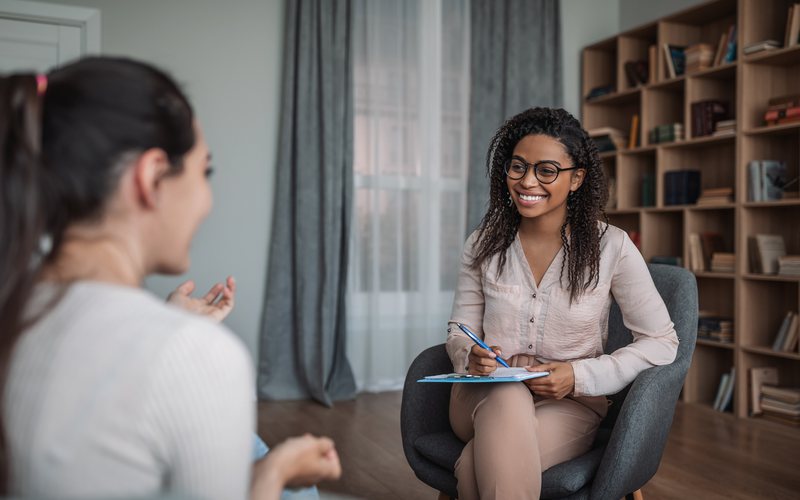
(714, 327)
(770, 400)
(707, 114)
(681, 187)
(668, 132)
(786, 339)
(767, 180)
(690, 59)
(724, 398)
(707, 252)
(768, 256)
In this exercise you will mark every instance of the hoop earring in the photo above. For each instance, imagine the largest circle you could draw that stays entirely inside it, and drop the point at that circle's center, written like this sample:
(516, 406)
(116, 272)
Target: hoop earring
(510, 200)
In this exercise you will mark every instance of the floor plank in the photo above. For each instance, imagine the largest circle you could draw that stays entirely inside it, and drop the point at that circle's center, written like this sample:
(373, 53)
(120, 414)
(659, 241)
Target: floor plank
(709, 455)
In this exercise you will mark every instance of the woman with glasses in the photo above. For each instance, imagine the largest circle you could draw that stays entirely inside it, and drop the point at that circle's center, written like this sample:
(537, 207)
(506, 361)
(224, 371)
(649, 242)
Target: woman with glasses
(536, 283)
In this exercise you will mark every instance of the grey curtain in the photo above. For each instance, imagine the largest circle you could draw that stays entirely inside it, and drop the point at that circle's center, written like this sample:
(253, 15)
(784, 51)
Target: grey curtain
(302, 350)
(516, 64)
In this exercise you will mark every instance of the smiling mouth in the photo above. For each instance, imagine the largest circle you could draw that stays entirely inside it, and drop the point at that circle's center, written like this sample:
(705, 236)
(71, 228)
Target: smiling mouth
(525, 197)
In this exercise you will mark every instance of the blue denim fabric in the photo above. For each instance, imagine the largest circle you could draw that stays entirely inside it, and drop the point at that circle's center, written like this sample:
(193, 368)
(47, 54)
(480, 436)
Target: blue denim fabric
(260, 450)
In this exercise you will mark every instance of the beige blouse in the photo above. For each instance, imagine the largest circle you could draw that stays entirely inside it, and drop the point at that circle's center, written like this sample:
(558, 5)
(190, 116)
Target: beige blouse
(512, 312)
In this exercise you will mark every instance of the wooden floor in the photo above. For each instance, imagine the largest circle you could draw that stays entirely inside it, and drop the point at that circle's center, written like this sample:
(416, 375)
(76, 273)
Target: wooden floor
(709, 455)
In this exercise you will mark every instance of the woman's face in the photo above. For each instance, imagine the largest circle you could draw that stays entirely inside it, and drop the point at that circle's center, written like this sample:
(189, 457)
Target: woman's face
(532, 197)
(185, 201)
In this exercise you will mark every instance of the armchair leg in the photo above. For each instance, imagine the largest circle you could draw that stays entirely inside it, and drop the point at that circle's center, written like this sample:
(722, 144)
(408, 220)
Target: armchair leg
(636, 495)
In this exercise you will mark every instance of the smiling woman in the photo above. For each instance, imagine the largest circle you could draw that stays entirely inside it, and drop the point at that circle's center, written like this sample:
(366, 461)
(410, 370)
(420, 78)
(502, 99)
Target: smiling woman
(536, 283)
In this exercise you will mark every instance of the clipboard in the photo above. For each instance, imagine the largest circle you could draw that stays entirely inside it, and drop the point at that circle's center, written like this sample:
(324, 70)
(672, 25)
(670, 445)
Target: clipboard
(516, 374)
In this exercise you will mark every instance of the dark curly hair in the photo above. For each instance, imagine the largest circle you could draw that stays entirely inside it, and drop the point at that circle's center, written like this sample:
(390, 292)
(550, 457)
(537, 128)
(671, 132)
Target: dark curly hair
(585, 206)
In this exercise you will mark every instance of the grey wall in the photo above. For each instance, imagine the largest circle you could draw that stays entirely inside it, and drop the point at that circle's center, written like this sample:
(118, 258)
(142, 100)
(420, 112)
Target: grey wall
(583, 22)
(632, 13)
(228, 56)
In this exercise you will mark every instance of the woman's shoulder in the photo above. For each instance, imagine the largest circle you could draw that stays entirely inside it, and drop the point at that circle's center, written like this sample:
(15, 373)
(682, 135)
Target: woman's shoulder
(613, 238)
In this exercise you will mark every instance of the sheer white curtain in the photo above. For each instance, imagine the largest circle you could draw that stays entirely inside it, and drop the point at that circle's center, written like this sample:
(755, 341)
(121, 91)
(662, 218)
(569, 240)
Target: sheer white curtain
(411, 128)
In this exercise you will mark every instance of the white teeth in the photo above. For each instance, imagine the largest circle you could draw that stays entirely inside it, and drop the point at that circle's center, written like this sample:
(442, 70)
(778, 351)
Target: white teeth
(525, 197)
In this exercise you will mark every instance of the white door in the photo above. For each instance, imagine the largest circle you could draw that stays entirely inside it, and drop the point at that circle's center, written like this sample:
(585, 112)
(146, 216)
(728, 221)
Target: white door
(38, 36)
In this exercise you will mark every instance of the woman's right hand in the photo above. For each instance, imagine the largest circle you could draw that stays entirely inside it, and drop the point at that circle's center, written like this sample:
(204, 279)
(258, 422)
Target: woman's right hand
(481, 361)
(296, 462)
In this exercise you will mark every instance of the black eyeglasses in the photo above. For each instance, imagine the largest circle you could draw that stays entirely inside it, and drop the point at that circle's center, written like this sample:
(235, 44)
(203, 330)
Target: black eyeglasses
(546, 171)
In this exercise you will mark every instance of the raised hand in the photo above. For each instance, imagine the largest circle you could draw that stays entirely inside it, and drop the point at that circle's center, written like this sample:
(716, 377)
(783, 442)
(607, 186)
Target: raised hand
(216, 304)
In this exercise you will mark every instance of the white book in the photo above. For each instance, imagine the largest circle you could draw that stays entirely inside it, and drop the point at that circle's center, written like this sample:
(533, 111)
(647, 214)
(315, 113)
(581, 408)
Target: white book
(723, 386)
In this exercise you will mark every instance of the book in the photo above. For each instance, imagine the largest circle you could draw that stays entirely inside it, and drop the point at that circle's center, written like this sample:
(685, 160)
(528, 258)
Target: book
(727, 398)
(761, 46)
(648, 189)
(696, 263)
(768, 248)
(670, 260)
(719, 55)
(599, 91)
(715, 196)
(789, 395)
(652, 63)
(730, 50)
(787, 34)
(516, 374)
(706, 114)
(699, 56)
(754, 180)
(723, 262)
(676, 60)
(633, 136)
(759, 377)
(636, 72)
(793, 29)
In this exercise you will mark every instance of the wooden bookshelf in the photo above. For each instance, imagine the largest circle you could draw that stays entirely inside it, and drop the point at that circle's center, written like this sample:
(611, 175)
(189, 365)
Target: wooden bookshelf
(756, 302)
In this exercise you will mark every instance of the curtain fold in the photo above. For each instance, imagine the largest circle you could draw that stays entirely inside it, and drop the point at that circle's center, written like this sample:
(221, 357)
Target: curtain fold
(302, 348)
(516, 64)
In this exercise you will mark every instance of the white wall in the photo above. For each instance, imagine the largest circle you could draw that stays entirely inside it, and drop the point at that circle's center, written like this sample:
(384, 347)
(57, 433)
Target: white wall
(583, 22)
(228, 56)
(633, 13)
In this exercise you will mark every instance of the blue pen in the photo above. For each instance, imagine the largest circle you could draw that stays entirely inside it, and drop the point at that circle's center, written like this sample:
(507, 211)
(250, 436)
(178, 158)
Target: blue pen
(480, 342)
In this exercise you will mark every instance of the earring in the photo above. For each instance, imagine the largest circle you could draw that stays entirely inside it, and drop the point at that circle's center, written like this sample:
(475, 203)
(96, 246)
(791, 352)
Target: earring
(510, 200)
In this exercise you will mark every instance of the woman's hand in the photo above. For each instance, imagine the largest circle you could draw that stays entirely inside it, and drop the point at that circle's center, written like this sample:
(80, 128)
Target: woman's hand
(481, 361)
(296, 462)
(560, 382)
(216, 304)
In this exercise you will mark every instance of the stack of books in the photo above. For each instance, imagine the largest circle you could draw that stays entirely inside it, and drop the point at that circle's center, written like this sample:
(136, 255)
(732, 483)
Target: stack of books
(608, 139)
(716, 328)
(702, 247)
(786, 340)
(781, 403)
(782, 109)
(698, 57)
(761, 46)
(716, 196)
(759, 376)
(722, 262)
(789, 265)
(706, 114)
(725, 127)
(668, 132)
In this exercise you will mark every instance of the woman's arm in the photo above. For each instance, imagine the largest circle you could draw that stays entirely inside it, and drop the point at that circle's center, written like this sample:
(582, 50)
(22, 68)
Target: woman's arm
(468, 307)
(644, 313)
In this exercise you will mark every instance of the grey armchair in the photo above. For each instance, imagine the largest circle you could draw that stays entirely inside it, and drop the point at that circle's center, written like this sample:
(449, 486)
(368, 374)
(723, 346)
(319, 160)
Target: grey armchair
(630, 441)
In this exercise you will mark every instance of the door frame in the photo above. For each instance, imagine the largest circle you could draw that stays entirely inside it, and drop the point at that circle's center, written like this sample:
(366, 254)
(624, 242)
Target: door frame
(87, 19)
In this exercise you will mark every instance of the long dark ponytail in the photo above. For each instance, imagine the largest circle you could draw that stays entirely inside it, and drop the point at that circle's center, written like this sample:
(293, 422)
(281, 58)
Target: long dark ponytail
(64, 139)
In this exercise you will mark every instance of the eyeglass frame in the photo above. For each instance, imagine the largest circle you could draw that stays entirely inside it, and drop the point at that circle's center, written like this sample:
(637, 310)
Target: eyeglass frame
(535, 166)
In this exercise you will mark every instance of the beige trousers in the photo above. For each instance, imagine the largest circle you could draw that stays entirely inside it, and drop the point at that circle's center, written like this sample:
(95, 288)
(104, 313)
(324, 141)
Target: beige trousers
(513, 435)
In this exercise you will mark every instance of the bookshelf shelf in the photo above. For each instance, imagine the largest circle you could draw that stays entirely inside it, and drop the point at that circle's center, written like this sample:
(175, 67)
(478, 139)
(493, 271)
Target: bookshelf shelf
(699, 142)
(709, 274)
(771, 277)
(766, 351)
(714, 343)
(776, 57)
(756, 303)
(607, 154)
(785, 129)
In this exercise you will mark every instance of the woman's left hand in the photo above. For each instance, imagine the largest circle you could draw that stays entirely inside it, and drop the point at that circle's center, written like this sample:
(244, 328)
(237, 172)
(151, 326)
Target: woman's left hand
(560, 382)
(216, 304)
